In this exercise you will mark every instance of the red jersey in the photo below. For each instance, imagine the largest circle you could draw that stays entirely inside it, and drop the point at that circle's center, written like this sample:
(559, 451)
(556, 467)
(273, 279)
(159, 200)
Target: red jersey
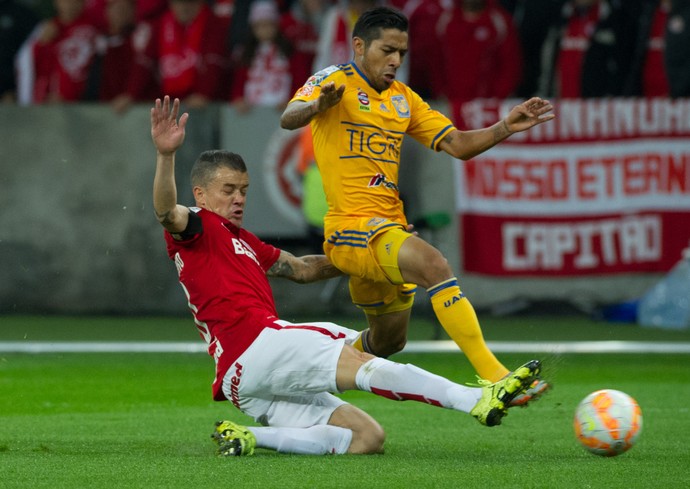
(270, 79)
(486, 59)
(222, 271)
(146, 10)
(62, 65)
(574, 45)
(304, 39)
(188, 59)
(114, 62)
(654, 78)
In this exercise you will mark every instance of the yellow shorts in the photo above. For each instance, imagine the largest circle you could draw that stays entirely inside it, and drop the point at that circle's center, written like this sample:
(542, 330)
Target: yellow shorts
(367, 250)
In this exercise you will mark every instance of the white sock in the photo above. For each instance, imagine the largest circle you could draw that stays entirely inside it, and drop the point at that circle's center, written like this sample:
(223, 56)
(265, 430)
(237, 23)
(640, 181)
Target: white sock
(315, 440)
(407, 382)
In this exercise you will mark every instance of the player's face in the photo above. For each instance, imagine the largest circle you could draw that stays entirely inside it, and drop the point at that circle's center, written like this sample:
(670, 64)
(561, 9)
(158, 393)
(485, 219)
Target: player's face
(226, 195)
(380, 60)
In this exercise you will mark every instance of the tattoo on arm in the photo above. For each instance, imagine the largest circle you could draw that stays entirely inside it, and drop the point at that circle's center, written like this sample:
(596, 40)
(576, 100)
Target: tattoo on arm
(501, 131)
(164, 217)
(299, 115)
(319, 268)
(282, 266)
(304, 269)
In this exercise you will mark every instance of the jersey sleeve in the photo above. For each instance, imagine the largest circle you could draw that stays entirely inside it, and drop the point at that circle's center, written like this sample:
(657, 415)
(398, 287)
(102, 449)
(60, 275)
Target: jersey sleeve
(428, 126)
(312, 87)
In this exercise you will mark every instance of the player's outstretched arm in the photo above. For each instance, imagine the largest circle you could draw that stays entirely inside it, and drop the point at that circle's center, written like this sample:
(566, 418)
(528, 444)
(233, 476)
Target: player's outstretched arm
(299, 113)
(168, 135)
(303, 269)
(468, 144)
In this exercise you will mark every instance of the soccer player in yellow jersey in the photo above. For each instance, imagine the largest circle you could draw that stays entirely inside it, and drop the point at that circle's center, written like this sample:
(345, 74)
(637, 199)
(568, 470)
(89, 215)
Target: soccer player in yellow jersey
(359, 114)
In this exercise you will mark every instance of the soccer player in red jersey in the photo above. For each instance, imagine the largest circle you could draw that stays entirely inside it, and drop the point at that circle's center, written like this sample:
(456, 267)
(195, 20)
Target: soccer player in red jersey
(280, 373)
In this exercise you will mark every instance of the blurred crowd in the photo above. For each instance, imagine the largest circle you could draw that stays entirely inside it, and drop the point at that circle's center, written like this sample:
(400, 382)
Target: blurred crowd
(258, 52)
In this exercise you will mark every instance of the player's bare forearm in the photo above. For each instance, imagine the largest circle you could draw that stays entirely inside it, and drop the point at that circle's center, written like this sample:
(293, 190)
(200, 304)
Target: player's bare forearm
(168, 134)
(304, 269)
(164, 189)
(468, 144)
(298, 114)
(172, 216)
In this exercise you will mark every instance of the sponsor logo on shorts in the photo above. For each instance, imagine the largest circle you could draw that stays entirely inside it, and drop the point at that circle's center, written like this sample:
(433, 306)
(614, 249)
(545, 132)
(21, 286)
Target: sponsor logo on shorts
(235, 385)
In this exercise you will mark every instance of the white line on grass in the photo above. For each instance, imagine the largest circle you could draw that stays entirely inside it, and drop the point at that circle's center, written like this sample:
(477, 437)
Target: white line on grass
(557, 347)
(412, 347)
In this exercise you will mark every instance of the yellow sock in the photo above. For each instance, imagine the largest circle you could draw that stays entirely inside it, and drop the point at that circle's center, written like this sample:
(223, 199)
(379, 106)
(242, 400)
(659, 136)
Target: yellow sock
(457, 316)
(359, 342)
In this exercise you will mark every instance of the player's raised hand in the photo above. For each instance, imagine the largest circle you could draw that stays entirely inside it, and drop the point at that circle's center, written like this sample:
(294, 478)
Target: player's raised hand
(166, 131)
(528, 114)
(330, 96)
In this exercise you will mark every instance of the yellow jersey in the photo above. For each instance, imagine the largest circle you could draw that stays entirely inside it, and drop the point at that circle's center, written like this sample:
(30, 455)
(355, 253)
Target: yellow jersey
(357, 142)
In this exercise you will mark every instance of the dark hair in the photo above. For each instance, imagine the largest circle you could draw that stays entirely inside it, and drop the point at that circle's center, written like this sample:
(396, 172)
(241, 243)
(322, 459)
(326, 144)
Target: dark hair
(209, 162)
(369, 25)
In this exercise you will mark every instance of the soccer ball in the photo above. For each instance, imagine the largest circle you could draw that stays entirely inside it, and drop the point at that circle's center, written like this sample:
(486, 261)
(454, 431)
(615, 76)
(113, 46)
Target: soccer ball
(608, 422)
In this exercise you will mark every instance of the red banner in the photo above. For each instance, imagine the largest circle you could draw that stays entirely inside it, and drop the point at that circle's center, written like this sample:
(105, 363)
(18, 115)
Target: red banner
(604, 188)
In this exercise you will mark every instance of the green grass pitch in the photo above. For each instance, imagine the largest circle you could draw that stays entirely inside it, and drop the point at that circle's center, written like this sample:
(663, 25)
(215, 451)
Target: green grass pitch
(115, 420)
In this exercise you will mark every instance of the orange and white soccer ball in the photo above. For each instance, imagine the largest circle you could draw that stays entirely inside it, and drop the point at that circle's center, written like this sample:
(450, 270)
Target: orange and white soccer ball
(608, 422)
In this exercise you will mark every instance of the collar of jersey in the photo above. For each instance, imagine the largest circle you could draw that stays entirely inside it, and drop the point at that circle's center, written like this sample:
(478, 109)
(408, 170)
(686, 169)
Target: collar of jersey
(226, 223)
(364, 77)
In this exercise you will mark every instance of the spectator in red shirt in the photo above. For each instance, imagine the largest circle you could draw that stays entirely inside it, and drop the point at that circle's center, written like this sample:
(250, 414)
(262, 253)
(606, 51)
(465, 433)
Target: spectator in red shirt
(588, 50)
(334, 45)
(225, 10)
(115, 51)
(654, 78)
(647, 75)
(54, 63)
(264, 74)
(301, 26)
(185, 49)
(480, 53)
(145, 11)
(425, 70)
(532, 19)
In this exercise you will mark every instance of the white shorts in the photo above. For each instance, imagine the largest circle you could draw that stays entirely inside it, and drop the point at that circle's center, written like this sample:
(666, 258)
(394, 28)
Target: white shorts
(287, 374)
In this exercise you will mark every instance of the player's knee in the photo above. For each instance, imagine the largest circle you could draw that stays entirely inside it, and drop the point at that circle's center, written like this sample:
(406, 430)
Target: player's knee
(375, 439)
(368, 441)
(437, 269)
